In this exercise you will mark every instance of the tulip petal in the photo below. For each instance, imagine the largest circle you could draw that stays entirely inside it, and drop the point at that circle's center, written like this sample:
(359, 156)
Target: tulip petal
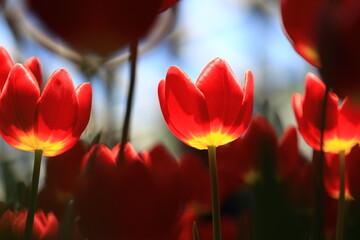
(17, 107)
(183, 107)
(222, 94)
(84, 96)
(243, 119)
(229, 111)
(6, 63)
(57, 113)
(33, 64)
(288, 153)
(349, 120)
(302, 33)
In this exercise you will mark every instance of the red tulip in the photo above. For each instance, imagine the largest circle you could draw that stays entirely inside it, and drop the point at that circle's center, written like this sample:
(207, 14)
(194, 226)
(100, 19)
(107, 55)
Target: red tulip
(12, 225)
(61, 178)
(296, 172)
(6, 64)
(301, 20)
(51, 120)
(101, 28)
(195, 179)
(338, 46)
(242, 159)
(139, 198)
(326, 34)
(342, 125)
(213, 111)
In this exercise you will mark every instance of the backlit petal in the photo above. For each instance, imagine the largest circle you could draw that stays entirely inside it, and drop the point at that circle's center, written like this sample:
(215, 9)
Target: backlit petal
(17, 105)
(57, 110)
(302, 33)
(244, 116)
(84, 98)
(183, 107)
(33, 64)
(223, 94)
(349, 120)
(6, 64)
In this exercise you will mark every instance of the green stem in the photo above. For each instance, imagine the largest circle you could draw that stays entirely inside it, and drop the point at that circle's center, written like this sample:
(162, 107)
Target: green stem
(214, 193)
(195, 232)
(318, 222)
(66, 228)
(33, 195)
(126, 126)
(341, 202)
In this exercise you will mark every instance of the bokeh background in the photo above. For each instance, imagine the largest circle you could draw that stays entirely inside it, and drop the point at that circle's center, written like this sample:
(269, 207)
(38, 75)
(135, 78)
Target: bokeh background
(246, 33)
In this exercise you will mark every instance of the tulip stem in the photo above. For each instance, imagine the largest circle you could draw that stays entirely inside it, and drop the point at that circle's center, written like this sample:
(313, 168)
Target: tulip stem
(341, 202)
(195, 232)
(33, 195)
(318, 226)
(126, 126)
(214, 193)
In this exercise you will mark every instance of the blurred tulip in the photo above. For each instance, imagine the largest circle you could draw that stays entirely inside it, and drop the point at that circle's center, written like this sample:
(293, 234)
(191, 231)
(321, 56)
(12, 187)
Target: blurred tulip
(200, 114)
(12, 226)
(300, 20)
(295, 172)
(243, 157)
(342, 122)
(61, 178)
(338, 46)
(140, 198)
(101, 28)
(229, 227)
(195, 179)
(51, 120)
(326, 34)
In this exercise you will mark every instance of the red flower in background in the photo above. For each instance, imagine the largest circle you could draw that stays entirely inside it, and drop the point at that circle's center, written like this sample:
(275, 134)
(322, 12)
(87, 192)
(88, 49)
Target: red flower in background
(342, 122)
(100, 28)
(213, 111)
(51, 120)
(61, 178)
(339, 49)
(139, 198)
(229, 227)
(301, 20)
(295, 172)
(195, 179)
(327, 35)
(241, 160)
(240, 166)
(12, 225)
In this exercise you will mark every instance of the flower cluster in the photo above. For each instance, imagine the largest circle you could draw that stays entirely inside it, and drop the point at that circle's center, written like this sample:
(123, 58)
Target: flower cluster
(252, 183)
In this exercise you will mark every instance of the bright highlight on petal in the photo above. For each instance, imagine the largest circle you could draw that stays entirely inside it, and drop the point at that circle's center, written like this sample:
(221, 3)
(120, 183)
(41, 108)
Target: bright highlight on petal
(212, 112)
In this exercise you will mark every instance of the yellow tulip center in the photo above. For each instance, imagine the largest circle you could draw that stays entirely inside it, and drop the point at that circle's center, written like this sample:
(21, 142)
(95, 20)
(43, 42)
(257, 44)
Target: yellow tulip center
(336, 145)
(211, 139)
(30, 143)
